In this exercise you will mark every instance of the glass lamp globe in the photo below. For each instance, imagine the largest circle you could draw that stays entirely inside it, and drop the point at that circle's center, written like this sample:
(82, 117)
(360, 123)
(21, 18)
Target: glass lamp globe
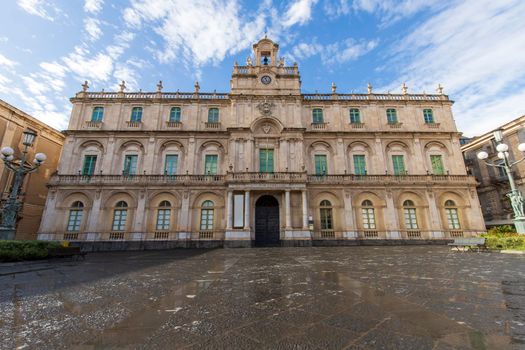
(521, 147)
(40, 157)
(501, 155)
(483, 155)
(9, 158)
(7, 151)
(502, 147)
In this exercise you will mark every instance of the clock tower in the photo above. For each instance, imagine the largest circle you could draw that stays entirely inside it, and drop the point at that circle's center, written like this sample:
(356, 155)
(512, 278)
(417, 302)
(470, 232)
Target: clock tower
(265, 73)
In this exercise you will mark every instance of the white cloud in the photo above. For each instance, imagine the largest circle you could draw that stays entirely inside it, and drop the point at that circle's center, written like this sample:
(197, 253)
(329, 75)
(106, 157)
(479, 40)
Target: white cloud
(38, 8)
(93, 6)
(92, 28)
(335, 53)
(4, 61)
(473, 48)
(300, 12)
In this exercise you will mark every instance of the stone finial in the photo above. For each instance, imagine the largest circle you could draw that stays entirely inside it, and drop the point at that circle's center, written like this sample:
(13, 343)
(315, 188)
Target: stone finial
(249, 61)
(439, 89)
(334, 88)
(369, 87)
(236, 64)
(281, 62)
(85, 86)
(404, 89)
(197, 87)
(122, 86)
(160, 86)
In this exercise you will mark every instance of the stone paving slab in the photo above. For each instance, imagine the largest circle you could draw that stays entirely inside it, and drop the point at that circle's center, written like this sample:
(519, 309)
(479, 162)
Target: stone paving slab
(425, 297)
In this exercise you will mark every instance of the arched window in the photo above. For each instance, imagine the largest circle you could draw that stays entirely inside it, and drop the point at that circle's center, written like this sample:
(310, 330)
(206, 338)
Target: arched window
(120, 215)
(369, 218)
(174, 115)
(410, 214)
(317, 116)
(98, 114)
(391, 116)
(75, 216)
(355, 116)
(207, 212)
(452, 215)
(428, 116)
(163, 216)
(326, 215)
(136, 115)
(213, 115)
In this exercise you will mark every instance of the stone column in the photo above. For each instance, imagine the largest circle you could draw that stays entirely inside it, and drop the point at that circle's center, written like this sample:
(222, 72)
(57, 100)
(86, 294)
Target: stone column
(305, 210)
(109, 162)
(184, 226)
(139, 227)
(247, 208)
(287, 210)
(95, 216)
(435, 218)
(350, 227)
(391, 218)
(229, 213)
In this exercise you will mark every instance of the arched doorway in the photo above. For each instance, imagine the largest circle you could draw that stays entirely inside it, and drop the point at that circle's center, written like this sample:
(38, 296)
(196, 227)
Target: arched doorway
(266, 221)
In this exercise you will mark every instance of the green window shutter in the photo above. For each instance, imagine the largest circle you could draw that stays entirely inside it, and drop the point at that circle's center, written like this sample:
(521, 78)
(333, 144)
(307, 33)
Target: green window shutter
(130, 165)
(213, 115)
(89, 165)
(136, 115)
(399, 165)
(321, 167)
(175, 114)
(359, 164)
(266, 160)
(210, 164)
(98, 114)
(428, 116)
(437, 165)
(355, 117)
(170, 166)
(391, 116)
(317, 116)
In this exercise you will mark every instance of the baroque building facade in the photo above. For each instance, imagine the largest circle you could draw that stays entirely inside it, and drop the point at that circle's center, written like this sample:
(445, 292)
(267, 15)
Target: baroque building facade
(263, 164)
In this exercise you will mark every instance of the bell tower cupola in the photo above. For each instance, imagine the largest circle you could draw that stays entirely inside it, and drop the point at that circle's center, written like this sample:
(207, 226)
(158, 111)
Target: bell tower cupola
(265, 52)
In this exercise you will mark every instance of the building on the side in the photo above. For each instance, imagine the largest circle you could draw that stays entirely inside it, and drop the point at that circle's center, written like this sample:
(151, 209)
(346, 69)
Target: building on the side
(493, 182)
(13, 122)
(262, 164)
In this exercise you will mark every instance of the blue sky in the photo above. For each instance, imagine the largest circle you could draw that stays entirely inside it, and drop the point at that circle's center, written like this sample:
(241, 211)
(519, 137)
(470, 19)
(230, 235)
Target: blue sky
(474, 48)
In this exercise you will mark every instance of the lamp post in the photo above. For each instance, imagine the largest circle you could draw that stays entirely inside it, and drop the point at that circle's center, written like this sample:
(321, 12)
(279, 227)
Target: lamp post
(18, 166)
(516, 198)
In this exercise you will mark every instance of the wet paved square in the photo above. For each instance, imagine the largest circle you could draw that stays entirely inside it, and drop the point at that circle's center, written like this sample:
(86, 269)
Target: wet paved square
(272, 298)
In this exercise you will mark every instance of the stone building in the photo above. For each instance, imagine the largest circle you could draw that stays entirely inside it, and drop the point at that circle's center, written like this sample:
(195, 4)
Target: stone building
(493, 183)
(262, 164)
(34, 191)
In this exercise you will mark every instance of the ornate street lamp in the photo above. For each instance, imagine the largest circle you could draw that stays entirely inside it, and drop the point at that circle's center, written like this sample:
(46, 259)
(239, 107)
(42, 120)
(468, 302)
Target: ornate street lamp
(20, 168)
(516, 198)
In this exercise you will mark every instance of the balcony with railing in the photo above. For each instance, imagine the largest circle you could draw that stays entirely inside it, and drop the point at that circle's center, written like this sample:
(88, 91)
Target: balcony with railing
(174, 125)
(319, 126)
(212, 125)
(90, 124)
(347, 179)
(134, 125)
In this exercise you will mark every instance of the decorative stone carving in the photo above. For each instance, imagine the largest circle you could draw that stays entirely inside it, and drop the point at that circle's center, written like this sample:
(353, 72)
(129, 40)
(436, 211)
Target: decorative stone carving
(267, 128)
(266, 107)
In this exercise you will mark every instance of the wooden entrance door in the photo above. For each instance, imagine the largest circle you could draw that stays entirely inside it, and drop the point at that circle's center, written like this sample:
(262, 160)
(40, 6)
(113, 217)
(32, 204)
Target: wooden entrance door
(267, 221)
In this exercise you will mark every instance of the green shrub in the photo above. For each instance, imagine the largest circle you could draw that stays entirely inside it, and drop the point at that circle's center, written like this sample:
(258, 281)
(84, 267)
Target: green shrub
(502, 231)
(25, 250)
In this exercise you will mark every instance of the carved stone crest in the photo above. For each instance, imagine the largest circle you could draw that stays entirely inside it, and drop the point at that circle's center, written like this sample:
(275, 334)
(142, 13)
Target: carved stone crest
(266, 128)
(265, 108)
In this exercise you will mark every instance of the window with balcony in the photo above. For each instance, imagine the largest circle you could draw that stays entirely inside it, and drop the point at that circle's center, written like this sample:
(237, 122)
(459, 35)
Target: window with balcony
(170, 164)
(451, 212)
(75, 216)
(266, 160)
(213, 115)
(174, 115)
(120, 215)
(163, 216)
(391, 116)
(317, 116)
(409, 211)
(428, 116)
(359, 164)
(130, 164)
(207, 213)
(355, 116)
(368, 214)
(326, 215)
(136, 115)
(321, 165)
(210, 164)
(437, 165)
(97, 115)
(398, 164)
(88, 168)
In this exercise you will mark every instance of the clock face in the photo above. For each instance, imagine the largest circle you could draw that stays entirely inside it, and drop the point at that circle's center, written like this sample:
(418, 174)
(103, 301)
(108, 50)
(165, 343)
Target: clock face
(266, 80)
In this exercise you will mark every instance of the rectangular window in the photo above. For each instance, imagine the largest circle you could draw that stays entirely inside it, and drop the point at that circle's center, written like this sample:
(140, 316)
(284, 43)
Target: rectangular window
(410, 218)
(207, 219)
(369, 220)
(210, 164)
(398, 163)
(452, 218)
(163, 219)
(130, 164)
(391, 116)
(175, 115)
(238, 210)
(88, 168)
(326, 219)
(98, 114)
(75, 217)
(119, 219)
(359, 164)
(320, 164)
(266, 160)
(355, 117)
(136, 115)
(437, 165)
(429, 116)
(213, 115)
(170, 165)
(317, 116)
